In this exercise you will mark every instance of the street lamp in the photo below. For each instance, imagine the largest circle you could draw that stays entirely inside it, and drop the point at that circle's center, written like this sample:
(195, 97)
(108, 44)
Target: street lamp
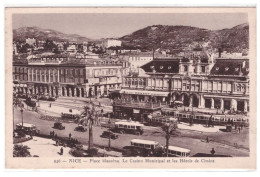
(22, 116)
(109, 140)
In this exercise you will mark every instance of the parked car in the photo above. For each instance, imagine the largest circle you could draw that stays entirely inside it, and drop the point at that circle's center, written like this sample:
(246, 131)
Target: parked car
(80, 128)
(106, 134)
(51, 99)
(58, 125)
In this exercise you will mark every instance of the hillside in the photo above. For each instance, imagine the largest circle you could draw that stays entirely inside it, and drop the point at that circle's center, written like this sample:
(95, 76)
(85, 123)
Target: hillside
(22, 33)
(177, 37)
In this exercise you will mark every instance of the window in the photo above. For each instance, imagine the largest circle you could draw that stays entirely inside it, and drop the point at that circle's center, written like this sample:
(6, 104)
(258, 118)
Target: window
(185, 68)
(203, 69)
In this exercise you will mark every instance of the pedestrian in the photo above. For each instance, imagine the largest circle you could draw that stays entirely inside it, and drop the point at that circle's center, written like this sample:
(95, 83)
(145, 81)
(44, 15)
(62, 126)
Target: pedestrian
(207, 139)
(50, 134)
(238, 129)
(69, 136)
(56, 143)
(235, 126)
(212, 151)
(61, 151)
(50, 105)
(55, 137)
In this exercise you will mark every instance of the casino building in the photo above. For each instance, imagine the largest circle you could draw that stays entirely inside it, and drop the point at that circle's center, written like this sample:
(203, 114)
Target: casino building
(198, 81)
(61, 75)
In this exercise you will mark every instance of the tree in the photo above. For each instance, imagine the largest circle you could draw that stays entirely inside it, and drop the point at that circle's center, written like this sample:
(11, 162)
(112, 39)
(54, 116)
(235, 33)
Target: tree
(168, 129)
(21, 151)
(49, 45)
(89, 116)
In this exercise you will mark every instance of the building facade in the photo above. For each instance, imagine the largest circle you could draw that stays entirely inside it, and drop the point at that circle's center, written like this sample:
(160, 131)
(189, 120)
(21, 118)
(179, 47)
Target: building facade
(64, 76)
(198, 82)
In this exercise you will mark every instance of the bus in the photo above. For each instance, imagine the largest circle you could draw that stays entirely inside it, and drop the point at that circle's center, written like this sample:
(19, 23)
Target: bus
(145, 144)
(130, 127)
(28, 129)
(174, 151)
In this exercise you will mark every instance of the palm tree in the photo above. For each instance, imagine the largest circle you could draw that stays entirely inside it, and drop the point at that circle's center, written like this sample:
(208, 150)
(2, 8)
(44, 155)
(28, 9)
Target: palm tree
(21, 151)
(168, 129)
(89, 116)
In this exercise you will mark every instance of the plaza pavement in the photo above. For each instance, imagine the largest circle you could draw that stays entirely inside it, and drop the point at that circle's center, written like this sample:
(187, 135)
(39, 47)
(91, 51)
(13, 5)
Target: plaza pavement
(43, 147)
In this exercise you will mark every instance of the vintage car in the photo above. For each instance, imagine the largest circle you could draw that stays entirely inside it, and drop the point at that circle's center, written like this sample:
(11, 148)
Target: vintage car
(106, 134)
(59, 126)
(80, 128)
(228, 127)
(51, 99)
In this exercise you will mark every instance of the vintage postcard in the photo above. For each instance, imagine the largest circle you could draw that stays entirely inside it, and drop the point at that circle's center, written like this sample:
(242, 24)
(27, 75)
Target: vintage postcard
(131, 88)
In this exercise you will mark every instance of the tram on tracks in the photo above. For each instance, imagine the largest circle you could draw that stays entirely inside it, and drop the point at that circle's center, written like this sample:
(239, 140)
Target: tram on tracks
(214, 119)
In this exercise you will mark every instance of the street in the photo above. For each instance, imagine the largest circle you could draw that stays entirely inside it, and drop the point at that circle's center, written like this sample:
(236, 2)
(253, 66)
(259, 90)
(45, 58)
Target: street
(187, 139)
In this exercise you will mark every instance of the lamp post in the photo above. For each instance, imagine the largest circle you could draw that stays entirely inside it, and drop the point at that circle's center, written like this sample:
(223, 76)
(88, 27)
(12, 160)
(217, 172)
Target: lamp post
(109, 140)
(22, 116)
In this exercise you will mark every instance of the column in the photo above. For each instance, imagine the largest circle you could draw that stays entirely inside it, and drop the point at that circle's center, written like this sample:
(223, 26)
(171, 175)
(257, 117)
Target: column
(234, 104)
(221, 104)
(245, 106)
(45, 75)
(49, 79)
(201, 102)
(212, 103)
(69, 92)
(191, 101)
(58, 75)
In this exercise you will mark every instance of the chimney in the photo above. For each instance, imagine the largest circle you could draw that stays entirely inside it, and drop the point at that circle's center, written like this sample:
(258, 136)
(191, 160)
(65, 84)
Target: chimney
(219, 52)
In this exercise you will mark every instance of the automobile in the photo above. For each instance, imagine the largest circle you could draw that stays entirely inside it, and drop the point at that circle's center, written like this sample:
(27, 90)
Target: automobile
(80, 128)
(106, 134)
(51, 99)
(58, 125)
(228, 127)
(44, 98)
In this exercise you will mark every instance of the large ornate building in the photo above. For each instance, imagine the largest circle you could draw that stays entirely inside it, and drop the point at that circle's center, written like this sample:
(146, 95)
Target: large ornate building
(59, 75)
(199, 81)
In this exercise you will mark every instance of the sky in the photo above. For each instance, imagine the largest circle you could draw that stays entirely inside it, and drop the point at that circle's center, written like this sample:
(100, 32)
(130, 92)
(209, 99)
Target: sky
(100, 25)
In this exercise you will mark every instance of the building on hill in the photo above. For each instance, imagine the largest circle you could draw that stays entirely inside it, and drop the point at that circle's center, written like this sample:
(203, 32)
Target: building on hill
(111, 43)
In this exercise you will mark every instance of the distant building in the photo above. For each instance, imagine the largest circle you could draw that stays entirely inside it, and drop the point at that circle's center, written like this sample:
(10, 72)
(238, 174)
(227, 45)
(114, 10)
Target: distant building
(112, 43)
(30, 41)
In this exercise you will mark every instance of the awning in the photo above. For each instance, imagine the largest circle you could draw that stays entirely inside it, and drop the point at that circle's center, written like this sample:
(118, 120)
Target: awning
(144, 92)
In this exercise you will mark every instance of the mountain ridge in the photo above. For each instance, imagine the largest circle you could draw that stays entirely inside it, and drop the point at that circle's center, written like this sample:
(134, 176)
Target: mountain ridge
(20, 34)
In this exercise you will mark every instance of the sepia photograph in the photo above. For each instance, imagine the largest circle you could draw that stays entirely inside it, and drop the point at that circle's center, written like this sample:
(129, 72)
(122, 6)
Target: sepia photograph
(130, 86)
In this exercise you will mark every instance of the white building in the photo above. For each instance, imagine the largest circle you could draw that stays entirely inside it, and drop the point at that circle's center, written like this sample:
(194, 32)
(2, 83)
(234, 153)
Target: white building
(30, 41)
(112, 43)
